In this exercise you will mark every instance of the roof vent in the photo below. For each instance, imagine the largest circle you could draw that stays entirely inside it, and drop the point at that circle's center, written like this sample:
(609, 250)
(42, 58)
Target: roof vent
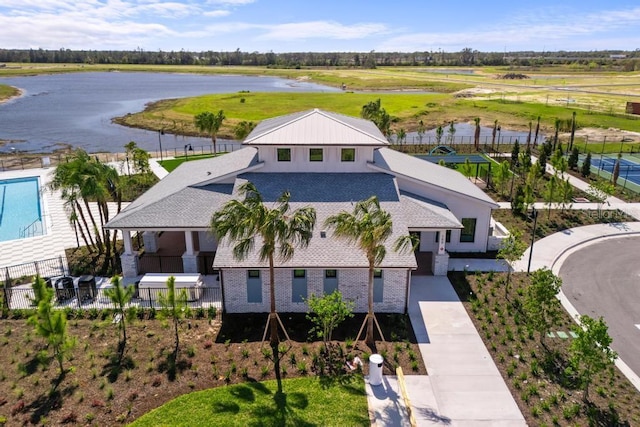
(323, 234)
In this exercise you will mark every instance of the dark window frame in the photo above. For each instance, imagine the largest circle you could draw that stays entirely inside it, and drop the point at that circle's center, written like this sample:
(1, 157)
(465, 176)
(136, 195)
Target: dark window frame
(283, 151)
(468, 233)
(348, 155)
(318, 151)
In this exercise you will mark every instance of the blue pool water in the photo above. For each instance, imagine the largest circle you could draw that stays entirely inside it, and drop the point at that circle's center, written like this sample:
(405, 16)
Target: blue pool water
(20, 211)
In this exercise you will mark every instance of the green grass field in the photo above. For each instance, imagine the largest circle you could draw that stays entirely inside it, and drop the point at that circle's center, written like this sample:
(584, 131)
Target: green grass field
(306, 402)
(171, 164)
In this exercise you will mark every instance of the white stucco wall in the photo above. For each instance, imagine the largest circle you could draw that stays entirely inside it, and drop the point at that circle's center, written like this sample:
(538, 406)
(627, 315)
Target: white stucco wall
(353, 283)
(300, 160)
(461, 207)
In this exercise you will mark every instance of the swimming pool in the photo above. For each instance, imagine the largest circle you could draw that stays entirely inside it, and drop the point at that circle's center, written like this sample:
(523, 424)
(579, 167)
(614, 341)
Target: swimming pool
(20, 210)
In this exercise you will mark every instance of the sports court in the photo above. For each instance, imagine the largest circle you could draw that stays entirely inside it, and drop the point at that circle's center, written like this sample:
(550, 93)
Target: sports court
(629, 168)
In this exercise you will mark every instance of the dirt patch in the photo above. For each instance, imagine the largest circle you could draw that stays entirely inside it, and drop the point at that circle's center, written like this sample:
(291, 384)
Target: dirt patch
(612, 134)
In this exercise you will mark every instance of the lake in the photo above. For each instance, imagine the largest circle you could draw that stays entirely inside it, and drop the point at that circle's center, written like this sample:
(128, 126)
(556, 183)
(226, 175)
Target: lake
(77, 108)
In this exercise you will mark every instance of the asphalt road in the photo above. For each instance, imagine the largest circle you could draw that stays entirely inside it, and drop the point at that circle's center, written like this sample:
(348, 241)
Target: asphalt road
(603, 279)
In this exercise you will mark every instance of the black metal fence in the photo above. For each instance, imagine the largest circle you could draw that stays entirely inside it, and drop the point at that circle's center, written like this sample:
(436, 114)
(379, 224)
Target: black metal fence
(21, 298)
(24, 273)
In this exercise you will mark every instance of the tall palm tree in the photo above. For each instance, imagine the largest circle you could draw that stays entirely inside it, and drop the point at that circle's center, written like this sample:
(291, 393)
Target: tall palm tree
(476, 135)
(369, 226)
(280, 230)
(210, 123)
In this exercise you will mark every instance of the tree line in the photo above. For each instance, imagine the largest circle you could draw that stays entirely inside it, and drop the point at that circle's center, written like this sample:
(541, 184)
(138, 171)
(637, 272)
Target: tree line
(623, 60)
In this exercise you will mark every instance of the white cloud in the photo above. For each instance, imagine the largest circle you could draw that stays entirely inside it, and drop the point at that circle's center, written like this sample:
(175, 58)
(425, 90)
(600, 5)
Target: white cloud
(216, 13)
(231, 2)
(321, 29)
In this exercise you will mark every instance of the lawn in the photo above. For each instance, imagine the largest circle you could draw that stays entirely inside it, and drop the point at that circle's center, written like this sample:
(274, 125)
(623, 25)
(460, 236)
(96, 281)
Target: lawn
(171, 164)
(306, 402)
(545, 391)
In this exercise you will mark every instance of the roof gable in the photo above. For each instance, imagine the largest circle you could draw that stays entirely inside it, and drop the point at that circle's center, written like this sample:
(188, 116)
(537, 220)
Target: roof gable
(316, 127)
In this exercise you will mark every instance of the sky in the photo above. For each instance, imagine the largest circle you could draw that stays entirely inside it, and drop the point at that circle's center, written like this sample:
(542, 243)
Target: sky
(321, 26)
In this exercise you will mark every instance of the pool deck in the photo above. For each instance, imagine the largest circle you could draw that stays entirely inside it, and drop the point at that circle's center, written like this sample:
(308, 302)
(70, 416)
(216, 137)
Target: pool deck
(59, 232)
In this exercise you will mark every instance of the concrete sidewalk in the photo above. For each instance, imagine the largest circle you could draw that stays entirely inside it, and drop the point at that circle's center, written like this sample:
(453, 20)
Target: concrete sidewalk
(464, 386)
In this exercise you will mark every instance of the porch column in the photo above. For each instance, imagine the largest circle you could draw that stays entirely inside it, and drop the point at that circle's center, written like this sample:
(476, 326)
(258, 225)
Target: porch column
(441, 257)
(129, 258)
(150, 239)
(190, 257)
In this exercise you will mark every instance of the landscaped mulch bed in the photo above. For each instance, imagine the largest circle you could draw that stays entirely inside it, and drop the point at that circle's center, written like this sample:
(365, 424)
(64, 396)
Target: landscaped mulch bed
(97, 390)
(544, 391)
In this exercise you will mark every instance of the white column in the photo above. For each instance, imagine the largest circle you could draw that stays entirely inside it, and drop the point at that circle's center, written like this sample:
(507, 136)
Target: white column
(188, 240)
(128, 246)
(442, 240)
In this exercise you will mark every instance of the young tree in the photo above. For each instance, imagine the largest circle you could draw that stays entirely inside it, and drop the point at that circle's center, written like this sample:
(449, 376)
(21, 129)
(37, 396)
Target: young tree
(327, 312)
(535, 138)
(542, 161)
(451, 131)
(573, 131)
(421, 131)
(501, 176)
(174, 306)
(210, 123)
(599, 192)
(439, 132)
(585, 171)
(558, 123)
(242, 129)
(565, 194)
(280, 230)
(467, 168)
(368, 227)
(529, 136)
(542, 308)
(401, 136)
(49, 323)
(517, 203)
(120, 296)
(524, 162)
(493, 133)
(590, 353)
(550, 193)
(573, 158)
(510, 251)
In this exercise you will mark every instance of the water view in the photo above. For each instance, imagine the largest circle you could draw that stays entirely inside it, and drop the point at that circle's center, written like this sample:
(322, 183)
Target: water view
(77, 108)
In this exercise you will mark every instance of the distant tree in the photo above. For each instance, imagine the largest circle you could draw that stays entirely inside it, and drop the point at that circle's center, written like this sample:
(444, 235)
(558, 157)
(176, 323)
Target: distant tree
(585, 171)
(493, 133)
(541, 306)
(524, 161)
(476, 134)
(120, 296)
(517, 202)
(327, 312)
(515, 152)
(377, 114)
(451, 131)
(439, 132)
(535, 138)
(557, 125)
(573, 131)
(590, 353)
(559, 162)
(242, 129)
(572, 162)
(542, 161)
(401, 136)
(529, 136)
(174, 306)
(421, 131)
(616, 171)
(529, 197)
(565, 194)
(510, 251)
(467, 168)
(210, 123)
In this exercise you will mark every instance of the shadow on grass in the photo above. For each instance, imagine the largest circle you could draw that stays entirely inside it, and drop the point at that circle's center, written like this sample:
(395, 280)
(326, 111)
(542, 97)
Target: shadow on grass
(283, 411)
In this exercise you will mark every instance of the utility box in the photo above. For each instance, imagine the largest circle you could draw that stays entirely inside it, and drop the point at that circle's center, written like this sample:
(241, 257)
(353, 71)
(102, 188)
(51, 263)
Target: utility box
(375, 369)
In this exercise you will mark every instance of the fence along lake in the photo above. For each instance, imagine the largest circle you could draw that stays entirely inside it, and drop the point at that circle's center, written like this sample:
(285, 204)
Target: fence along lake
(77, 109)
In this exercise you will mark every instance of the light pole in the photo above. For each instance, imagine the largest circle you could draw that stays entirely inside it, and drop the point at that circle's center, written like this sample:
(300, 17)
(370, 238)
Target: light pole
(160, 133)
(189, 148)
(534, 213)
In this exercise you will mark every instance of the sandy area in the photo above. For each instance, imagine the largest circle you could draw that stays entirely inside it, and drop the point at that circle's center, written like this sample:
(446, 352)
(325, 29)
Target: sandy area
(612, 134)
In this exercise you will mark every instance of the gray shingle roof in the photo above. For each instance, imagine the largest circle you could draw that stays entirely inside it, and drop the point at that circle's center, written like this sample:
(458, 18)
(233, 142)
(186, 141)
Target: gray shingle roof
(424, 213)
(316, 127)
(177, 195)
(430, 174)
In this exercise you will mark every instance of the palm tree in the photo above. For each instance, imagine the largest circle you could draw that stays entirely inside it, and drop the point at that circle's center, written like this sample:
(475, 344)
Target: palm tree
(120, 296)
(210, 123)
(535, 138)
(279, 229)
(476, 135)
(493, 133)
(369, 226)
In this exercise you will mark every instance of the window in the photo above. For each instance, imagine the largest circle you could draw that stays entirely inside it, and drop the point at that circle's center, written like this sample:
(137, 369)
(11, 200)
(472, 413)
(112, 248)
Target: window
(468, 233)
(299, 286)
(348, 155)
(447, 237)
(284, 154)
(254, 286)
(378, 286)
(315, 154)
(330, 284)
